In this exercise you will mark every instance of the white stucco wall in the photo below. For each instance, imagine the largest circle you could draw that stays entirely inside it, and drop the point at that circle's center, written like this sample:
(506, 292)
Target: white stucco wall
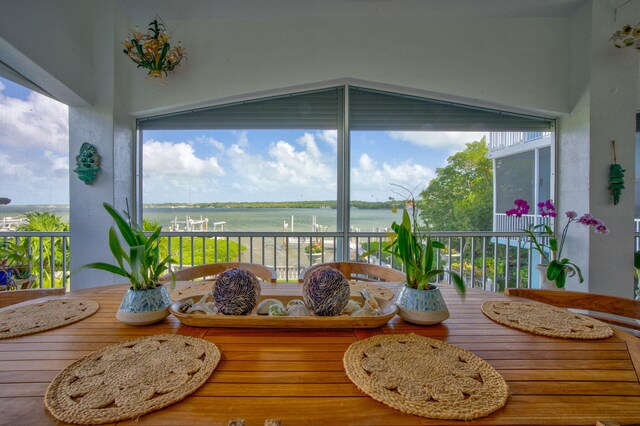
(518, 62)
(108, 127)
(50, 42)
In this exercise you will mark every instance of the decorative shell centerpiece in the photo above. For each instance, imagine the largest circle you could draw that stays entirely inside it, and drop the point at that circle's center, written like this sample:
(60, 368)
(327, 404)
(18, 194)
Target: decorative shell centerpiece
(326, 291)
(236, 291)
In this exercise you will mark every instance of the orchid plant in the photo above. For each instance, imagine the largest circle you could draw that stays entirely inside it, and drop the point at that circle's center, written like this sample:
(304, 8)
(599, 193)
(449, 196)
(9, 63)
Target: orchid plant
(559, 268)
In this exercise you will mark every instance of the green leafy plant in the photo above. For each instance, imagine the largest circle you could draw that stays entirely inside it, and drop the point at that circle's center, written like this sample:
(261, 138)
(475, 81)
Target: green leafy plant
(143, 264)
(16, 254)
(416, 251)
(314, 248)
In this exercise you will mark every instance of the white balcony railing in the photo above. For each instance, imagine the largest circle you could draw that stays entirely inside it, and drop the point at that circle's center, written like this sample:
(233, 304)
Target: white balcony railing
(504, 223)
(488, 260)
(502, 140)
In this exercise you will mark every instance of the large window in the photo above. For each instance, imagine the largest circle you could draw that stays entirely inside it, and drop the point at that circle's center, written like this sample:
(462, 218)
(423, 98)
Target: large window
(332, 160)
(267, 165)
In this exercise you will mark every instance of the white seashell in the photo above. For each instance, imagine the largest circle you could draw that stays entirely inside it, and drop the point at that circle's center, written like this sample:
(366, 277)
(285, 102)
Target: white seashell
(295, 302)
(297, 310)
(263, 307)
(277, 311)
(369, 300)
(203, 306)
(366, 312)
(351, 307)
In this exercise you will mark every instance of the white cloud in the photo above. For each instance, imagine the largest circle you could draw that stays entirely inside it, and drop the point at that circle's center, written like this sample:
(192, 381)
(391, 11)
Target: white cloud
(210, 141)
(372, 177)
(174, 173)
(287, 168)
(453, 141)
(365, 162)
(34, 147)
(58, 162)
(38, 122)
(177, 159)
(329, 137)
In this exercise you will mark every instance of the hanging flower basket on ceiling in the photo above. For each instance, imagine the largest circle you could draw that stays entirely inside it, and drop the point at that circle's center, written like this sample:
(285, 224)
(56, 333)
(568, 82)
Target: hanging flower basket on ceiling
(153, 51)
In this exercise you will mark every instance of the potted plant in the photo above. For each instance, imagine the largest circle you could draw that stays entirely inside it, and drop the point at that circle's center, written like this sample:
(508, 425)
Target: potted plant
(313, 250)
(419, 300)
(15, 264)
(147, 300)
(554, 267)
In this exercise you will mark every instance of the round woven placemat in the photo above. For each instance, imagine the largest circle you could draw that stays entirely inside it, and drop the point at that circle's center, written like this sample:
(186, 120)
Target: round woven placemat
(376, 290)
(546, 320)
(130, 379)
(192, 290)
(425, 377)
(38, 317)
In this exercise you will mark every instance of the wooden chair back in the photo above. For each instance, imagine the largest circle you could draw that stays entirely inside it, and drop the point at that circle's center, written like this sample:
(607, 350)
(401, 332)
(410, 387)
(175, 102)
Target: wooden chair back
(619, 306)
(212, 269)
(359, 271)
(11, 297)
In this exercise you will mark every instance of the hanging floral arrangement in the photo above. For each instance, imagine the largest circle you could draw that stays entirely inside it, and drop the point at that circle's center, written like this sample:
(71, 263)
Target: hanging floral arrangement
(153, 51)
(627, 36)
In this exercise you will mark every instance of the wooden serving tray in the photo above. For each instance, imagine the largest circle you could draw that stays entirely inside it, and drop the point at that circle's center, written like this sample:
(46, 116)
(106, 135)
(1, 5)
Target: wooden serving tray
(253, 320)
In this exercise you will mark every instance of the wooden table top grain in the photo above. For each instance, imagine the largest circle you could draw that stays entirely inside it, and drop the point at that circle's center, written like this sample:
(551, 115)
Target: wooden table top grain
(297, 375)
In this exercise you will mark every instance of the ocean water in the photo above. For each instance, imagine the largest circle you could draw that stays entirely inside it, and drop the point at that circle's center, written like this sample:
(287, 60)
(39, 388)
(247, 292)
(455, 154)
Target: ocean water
(244, 219)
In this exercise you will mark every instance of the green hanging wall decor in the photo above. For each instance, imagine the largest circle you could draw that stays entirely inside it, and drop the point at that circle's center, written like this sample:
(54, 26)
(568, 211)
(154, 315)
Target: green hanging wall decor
(87, 163)
(616, 177)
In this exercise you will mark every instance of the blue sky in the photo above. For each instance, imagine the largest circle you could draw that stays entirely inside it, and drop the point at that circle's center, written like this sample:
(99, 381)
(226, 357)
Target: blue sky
(216, 165)
(287, 165)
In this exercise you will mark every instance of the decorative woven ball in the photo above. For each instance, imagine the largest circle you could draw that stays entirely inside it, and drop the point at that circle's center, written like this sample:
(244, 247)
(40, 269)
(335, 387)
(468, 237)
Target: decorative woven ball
(236, 291)
(326, 291)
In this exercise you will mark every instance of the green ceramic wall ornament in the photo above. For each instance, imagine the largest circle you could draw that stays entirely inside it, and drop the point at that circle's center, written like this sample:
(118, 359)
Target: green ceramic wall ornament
(616, 177)
(87, 163)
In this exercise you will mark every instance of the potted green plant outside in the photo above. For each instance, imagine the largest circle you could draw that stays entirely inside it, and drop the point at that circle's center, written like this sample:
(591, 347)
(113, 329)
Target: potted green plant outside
(419, 300)
(15, 264)
(147, 300)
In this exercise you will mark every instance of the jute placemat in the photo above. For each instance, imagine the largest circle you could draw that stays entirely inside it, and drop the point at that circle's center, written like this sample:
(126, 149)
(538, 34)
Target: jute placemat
(376, 290)
(130, 379)
(546, 320)
(38, 317)
(425, 377)
(197, 289)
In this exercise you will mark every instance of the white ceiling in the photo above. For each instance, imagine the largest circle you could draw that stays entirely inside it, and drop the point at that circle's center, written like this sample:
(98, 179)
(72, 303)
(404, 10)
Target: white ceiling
(347, 9)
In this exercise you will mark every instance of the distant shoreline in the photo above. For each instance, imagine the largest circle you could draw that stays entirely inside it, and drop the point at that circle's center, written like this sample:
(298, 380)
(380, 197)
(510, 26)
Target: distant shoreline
(371, 205)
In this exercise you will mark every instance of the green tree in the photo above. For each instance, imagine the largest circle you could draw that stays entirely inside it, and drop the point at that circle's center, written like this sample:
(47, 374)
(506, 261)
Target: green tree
(41, 265)
(460, 197)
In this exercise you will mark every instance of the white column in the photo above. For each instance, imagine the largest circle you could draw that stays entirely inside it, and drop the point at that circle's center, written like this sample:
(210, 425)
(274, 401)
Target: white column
(106, 125)
(603, 104)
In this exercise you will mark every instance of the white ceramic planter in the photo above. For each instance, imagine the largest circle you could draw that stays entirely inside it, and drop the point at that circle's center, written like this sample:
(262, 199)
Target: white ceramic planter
(425, 307)
(545, 283)
(143, 307)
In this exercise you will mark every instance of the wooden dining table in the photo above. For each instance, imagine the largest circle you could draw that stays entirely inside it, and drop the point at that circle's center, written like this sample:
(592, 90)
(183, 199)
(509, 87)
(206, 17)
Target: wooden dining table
(297, 376)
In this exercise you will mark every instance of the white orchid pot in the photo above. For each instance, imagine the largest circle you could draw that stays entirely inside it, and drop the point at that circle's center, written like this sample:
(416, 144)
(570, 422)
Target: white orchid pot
(545, 283)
